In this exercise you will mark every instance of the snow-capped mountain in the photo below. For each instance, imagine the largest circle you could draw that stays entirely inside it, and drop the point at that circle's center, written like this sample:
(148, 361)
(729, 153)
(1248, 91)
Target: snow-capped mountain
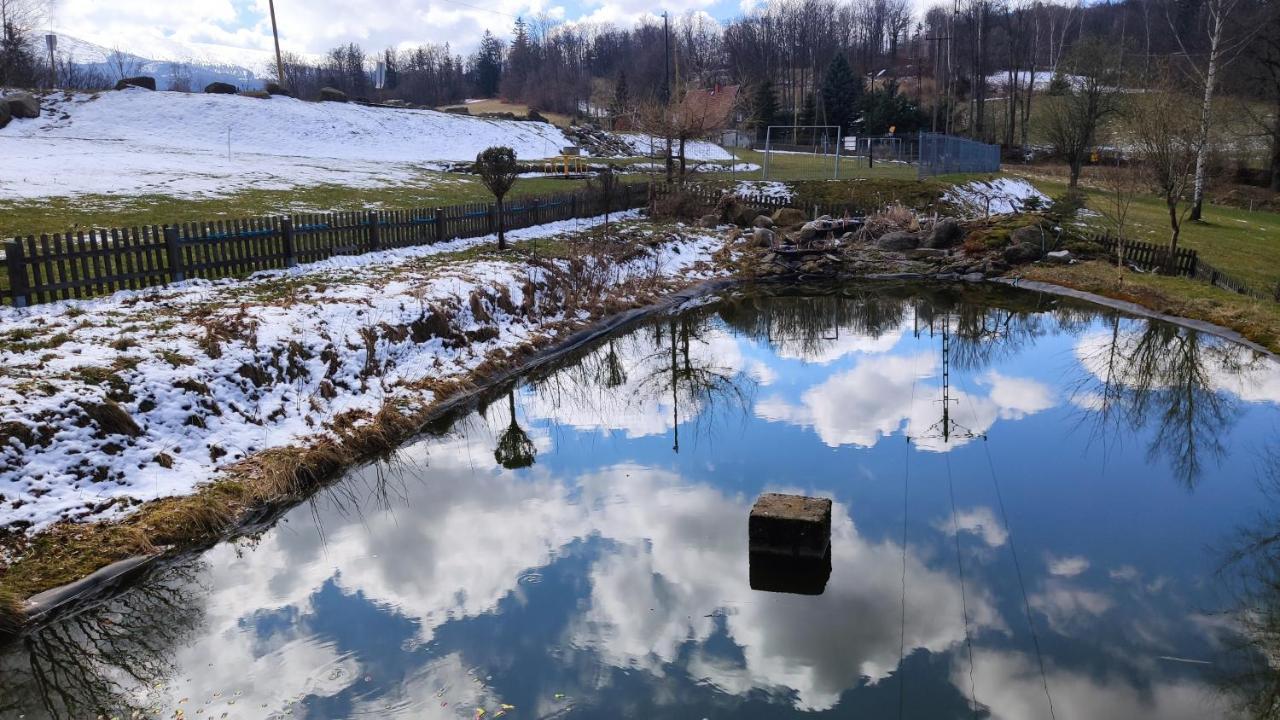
(179, 66)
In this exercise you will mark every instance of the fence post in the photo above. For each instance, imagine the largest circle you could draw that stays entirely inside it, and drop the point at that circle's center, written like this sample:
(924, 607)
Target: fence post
(573, 205)
(439, 223)
(374, 240)
(1195, 260)
(16, 263)
(493, 218)
(290, 250)
(176, 270)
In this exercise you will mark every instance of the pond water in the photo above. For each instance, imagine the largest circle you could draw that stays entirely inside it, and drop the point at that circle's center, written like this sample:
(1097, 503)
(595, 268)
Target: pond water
(1041, 509)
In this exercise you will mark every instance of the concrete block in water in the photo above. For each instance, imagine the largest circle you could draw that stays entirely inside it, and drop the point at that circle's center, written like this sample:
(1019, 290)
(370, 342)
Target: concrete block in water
(791, 525)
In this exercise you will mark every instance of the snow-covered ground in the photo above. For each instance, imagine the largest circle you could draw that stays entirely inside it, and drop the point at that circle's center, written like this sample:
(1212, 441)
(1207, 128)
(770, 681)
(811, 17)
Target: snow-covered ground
(146, 394)
(767, 188)
(136, 141)
(980, 198)
(694, 150)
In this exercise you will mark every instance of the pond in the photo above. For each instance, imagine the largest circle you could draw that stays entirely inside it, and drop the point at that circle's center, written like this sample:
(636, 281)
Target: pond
(1042, 508)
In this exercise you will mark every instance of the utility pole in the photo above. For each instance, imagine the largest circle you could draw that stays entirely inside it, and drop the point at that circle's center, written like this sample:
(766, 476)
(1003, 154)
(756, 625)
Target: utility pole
(52, 41)
(666, 87)
(276, 34)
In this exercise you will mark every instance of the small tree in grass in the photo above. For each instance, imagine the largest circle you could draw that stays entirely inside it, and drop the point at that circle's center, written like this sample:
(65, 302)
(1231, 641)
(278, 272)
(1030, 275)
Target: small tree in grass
(498, 171)
(1166, 138)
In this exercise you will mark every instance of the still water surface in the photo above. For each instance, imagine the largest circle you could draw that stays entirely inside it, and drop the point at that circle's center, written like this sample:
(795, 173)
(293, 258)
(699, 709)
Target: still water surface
(1041, 509)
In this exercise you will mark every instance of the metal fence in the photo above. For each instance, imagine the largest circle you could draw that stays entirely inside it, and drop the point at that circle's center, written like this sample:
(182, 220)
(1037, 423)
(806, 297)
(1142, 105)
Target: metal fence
(941, 154)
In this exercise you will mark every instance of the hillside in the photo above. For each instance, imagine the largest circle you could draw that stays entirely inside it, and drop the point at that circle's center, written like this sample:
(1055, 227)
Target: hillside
(136, 141)
(167, 64)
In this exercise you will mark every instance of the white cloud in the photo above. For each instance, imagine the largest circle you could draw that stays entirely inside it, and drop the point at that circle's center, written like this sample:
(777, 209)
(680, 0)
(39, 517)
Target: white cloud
(1067, 566)
(980, 521)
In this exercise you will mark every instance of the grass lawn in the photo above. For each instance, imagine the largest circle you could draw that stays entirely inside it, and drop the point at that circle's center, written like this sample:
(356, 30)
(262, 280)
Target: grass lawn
(429, 189)
(812, 167)
(1239, 242)
(497, 106)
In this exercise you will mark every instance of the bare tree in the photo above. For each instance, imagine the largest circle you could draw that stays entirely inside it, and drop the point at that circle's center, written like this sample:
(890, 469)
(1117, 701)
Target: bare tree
(123, 64)
(1092, 96)
(1167, 139)
(498, 171)
(1219, 53)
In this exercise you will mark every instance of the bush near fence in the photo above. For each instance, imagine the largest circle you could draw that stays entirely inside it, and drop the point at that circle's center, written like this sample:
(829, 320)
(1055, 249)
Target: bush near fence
(84, 264)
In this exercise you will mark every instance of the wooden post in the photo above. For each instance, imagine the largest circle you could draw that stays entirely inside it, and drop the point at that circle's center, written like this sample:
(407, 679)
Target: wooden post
(439, 223)
(174, 250)
(573, 205)
(17, 266)
(286, 235)
(374, 241)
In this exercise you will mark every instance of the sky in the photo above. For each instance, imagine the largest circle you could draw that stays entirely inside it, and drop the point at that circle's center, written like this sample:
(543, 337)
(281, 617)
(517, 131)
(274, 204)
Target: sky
(239, 31)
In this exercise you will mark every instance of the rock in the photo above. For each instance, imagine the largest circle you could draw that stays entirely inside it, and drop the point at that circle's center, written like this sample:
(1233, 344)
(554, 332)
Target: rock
(1028, 234)
(1022, 253)
(744, 216)
(328, 94)
(763, 237)
(927, 253)
(220, 88)
(792, 525)
(816, 228)
(22, 105)
(277, 89)
(708, 221)
(1059, 257)
(973, 277)
(946, 233)
(786, 217)
(141, 81)
(899, 240)
(763, 221)
(5, 114)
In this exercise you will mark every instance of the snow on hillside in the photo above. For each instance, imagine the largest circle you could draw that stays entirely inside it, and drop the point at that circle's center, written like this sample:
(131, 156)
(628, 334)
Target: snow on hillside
(694, 150)
(997, 196)
(137, 141)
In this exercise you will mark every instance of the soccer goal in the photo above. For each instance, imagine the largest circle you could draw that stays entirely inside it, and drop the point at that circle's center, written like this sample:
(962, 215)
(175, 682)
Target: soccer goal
(800, 152)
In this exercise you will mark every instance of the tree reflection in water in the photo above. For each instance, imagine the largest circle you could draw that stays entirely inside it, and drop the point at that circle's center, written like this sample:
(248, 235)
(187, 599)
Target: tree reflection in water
(515, 450)
(1144, 374)
(1251, 572)
(100, 660)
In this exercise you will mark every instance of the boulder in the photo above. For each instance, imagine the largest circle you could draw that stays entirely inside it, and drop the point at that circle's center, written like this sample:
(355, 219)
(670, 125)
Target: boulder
(1059, 257)
(946, 233)
(220, 88)
(1022, 253)
(142, 81)
(973, 277)
(743, 216)
(763, 237)
(816, 228)
(5, 114)
(1029, 234)
(900, 241)
(709, 221)
(277, 89)
(785, 217)
(23, 105)
(762, 221)
(328, 94)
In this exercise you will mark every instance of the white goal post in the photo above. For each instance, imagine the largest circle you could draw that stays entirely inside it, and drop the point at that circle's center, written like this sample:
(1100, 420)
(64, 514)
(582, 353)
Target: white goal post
(823, 141)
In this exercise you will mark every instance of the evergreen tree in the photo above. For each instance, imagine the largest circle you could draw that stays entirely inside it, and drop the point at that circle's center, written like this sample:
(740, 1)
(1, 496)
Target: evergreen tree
(488, 65)
(764, 108)
(520, 63)
(841, 91)
(392, 77)
(808, 116)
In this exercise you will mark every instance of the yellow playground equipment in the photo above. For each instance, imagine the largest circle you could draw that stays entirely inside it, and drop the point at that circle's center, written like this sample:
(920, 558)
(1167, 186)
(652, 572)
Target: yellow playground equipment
(569, 162)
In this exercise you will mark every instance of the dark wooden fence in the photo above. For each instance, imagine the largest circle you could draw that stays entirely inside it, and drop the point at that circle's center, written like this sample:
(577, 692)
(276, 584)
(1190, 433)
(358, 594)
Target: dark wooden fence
(1187, 263)
(95, 262)
(1151, 257)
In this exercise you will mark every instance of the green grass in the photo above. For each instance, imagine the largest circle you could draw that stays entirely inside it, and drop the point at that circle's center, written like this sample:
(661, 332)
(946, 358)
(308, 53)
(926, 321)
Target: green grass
(813, 167)
(1236, 241)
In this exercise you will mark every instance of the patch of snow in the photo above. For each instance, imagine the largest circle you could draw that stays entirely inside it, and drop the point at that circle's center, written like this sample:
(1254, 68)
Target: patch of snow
(999, 196)
(767, 188)
(694, 150)
(290, 359)
(135, 140)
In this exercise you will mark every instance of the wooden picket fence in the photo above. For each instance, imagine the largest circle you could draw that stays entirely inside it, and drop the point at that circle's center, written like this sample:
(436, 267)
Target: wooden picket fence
(95, 262)
(1151, 257)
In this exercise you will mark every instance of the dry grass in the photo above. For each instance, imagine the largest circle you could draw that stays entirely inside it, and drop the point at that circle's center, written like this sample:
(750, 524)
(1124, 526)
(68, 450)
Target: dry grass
(1257, 320)
(11, 614)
